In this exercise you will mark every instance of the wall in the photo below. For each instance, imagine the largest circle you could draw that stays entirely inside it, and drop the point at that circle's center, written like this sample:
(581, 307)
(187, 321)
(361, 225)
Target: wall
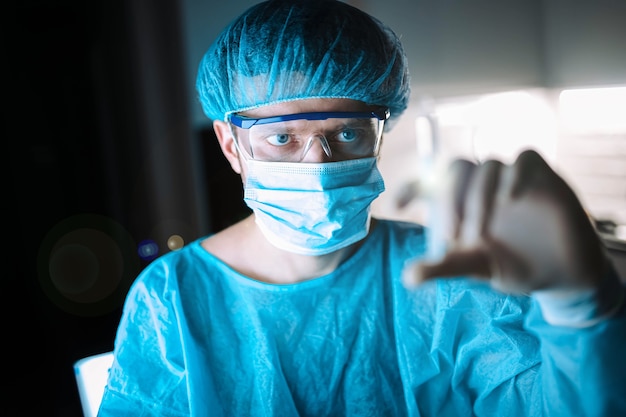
(583, 42)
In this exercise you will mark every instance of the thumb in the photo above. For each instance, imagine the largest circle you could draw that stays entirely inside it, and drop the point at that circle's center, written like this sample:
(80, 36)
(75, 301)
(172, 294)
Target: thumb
(473, 261)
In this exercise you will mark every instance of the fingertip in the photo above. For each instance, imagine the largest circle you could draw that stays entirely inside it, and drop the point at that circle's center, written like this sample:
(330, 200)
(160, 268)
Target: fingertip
(419, 272)
(413, 275)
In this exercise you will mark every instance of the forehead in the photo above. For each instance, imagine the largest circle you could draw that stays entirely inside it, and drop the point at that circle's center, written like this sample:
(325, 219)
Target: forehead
(308, 105)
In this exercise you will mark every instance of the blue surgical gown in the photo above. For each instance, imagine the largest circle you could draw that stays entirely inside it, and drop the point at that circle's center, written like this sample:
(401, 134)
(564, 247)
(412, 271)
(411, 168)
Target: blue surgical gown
(199, 339)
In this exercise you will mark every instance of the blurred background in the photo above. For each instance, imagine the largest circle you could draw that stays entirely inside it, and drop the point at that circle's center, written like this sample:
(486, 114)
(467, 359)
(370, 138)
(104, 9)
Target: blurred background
(112, 163)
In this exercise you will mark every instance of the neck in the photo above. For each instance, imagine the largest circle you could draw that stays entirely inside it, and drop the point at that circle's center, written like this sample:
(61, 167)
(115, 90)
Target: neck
(258, 259)
(295, 267)
(244, 248)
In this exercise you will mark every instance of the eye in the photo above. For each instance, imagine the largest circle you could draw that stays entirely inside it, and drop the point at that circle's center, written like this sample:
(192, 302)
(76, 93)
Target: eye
(278, 139)
(347, 135)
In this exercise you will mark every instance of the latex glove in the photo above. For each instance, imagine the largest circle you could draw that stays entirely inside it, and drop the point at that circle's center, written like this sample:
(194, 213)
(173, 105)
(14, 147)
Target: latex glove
(522, 227)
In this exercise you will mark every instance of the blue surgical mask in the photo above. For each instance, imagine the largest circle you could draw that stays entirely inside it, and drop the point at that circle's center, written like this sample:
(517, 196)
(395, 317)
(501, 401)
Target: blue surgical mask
(312, 208)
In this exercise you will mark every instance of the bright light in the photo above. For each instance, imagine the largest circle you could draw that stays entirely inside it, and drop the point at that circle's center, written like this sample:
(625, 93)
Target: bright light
(512, 122)
(500, 125)
(594, 110)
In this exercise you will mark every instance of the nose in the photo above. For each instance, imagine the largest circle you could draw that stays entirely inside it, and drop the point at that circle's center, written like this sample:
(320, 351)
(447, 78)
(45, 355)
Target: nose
(317, 149)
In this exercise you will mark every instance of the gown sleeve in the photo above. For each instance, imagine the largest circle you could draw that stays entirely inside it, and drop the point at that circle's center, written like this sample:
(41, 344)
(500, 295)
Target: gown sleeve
(583, 370)
(472, 351)
(148, 375)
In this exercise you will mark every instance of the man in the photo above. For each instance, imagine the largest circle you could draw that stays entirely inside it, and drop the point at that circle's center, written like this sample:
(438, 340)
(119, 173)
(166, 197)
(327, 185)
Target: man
(306, 307)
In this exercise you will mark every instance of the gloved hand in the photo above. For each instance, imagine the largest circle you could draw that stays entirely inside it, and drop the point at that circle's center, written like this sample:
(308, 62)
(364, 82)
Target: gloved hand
(522, 227)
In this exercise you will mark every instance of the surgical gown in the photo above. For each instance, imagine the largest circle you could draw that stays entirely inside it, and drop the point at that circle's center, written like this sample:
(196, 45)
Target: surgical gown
(199, 339)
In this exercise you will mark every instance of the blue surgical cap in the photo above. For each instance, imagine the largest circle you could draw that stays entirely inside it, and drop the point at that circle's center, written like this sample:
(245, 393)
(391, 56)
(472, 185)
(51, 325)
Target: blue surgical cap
(282, 50)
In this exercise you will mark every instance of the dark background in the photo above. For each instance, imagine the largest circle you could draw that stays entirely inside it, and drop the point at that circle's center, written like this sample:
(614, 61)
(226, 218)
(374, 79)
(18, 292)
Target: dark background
(100, 151)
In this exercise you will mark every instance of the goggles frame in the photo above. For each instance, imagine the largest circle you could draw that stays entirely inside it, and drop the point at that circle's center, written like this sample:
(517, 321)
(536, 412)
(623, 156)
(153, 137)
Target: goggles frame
(245, 122)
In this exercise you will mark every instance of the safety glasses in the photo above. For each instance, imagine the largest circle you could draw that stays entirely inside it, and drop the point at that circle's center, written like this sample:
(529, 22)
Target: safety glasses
(288, 138)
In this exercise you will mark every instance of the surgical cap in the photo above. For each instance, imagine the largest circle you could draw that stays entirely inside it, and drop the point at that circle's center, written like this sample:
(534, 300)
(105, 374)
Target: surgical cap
(282, 50)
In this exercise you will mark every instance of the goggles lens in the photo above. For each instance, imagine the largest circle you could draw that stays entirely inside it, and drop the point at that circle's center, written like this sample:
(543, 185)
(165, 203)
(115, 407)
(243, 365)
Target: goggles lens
(342, 135)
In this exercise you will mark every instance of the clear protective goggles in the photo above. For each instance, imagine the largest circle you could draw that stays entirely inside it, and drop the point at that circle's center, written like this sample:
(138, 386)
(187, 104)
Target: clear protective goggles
(288, 138)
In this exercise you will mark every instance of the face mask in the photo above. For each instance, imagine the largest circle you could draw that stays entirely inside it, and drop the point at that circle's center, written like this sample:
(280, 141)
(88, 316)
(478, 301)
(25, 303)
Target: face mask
(312, 208)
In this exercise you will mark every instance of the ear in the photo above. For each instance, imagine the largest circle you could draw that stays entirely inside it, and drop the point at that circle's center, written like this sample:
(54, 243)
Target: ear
(227, 144)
